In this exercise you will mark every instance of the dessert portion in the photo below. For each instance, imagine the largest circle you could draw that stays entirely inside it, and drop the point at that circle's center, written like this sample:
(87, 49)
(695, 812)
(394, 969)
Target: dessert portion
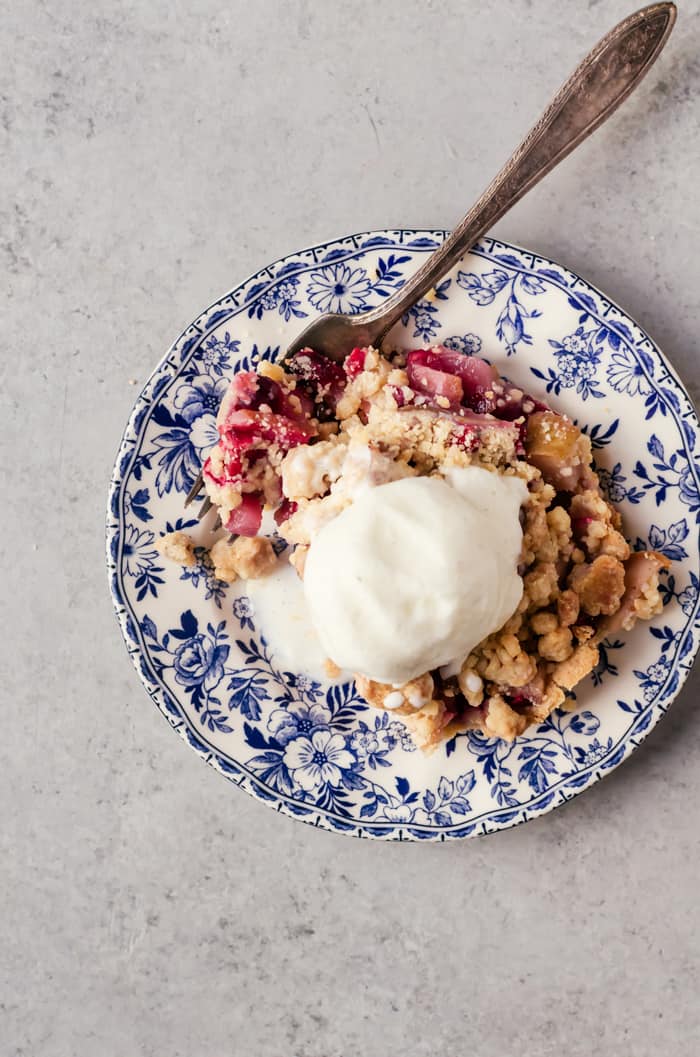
(457, 551)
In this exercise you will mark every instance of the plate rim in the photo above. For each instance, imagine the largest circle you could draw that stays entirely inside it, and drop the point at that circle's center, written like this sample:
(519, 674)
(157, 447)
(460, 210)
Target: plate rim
(389, 830)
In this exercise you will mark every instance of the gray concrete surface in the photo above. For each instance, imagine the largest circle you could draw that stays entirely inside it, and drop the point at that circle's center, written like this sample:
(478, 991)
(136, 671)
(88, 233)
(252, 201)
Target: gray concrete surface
(153, 154)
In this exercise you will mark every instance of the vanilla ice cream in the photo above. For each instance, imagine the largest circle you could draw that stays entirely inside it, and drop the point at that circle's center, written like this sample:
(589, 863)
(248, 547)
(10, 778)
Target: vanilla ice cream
(415, 573)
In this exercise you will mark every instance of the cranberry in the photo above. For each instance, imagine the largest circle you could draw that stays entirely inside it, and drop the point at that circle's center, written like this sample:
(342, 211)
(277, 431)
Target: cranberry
(322, 378)
(355, 363)
(512, 403)
(269, 393)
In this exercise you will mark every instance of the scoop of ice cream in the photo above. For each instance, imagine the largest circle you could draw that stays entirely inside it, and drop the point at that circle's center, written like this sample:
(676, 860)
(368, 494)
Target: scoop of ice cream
(415, 573)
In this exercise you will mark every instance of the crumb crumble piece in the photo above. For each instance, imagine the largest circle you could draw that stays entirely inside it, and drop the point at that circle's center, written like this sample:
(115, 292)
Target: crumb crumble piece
(502, 721)
(177, 547)
(248, 557)
(599, 585)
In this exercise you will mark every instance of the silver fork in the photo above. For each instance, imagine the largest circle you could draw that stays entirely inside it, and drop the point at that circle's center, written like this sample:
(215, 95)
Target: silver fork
(598, 85)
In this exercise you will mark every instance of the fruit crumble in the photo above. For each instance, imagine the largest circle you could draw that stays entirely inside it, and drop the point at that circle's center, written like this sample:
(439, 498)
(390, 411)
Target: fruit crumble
(305, 439)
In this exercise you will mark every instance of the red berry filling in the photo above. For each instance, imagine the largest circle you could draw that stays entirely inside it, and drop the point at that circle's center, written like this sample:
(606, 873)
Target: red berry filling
(321, 379)
(245, 519)
(285, 510)
(355, 363)
(256, 416)
(260, 419)
(435, 383)
(475, 376)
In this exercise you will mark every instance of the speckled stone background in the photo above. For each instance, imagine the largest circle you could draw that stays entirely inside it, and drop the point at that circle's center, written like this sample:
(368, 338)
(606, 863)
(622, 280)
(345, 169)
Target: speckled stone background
(155, 152)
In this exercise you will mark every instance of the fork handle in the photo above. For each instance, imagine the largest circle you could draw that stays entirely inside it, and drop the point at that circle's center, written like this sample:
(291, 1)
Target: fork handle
(595, 89)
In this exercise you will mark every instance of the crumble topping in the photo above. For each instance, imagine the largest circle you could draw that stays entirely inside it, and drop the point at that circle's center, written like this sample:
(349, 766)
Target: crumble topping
(310, 471)
(177, 547)
(247, 557)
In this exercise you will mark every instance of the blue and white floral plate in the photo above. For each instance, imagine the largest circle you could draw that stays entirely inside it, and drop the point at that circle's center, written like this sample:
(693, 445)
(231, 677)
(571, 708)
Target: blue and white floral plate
(317, 752)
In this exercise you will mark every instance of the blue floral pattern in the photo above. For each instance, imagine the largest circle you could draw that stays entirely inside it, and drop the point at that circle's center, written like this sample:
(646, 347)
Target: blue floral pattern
(423, 317)
(316, 751)
(339, 288)
(344, 288)
(217, 352)
(201, 576)
(674, 471)
(141, 561)
(501, 283)
(196, 659)
(577, 359)
(615, 485)
(282, 298)
(469, 344)
(626, 375)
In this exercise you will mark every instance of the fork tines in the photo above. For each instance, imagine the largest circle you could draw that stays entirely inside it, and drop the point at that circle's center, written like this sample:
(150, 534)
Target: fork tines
(204, 508)
(195, 490)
